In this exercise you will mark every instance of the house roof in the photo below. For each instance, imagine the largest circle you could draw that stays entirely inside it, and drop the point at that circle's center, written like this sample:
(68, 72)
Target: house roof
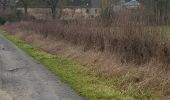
(132, 3)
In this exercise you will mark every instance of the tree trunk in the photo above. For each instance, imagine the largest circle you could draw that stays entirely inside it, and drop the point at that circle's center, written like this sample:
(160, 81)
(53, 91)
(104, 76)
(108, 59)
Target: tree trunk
(53, 13)
(26, 10)
(166, 11)
(4, 5)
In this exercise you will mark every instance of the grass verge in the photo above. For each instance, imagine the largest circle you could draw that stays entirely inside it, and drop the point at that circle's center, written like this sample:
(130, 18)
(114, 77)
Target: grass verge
(89, 86)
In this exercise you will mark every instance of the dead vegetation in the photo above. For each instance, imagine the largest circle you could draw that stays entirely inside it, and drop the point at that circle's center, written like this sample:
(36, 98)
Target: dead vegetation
(123, 46)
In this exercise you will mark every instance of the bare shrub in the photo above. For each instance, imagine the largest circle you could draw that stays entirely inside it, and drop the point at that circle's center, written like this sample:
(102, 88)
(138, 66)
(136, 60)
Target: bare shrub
(127, 36)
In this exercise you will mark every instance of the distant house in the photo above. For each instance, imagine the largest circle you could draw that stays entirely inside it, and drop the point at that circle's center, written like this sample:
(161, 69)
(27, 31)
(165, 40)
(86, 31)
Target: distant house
(132, 4)
(122, 4)
(93, 9)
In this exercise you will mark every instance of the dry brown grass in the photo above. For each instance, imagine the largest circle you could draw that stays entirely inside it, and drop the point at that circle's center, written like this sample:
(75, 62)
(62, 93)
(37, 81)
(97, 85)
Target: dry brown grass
(125, 48)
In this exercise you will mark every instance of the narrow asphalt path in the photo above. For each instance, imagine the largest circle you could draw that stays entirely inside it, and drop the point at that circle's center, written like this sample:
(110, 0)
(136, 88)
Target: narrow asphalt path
(22, 78)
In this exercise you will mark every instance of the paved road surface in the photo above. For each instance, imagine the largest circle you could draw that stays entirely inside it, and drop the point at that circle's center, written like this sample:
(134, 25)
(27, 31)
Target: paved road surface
(22, 78)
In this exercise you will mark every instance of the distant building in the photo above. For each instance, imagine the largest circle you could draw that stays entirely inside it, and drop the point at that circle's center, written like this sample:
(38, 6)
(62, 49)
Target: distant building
(132, 4)
(122, 4)
(93, 9)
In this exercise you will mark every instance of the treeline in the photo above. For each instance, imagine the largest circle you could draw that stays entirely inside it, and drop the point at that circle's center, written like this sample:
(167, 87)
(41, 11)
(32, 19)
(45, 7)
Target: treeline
(156, 10)
(53, 4)
(159, 9)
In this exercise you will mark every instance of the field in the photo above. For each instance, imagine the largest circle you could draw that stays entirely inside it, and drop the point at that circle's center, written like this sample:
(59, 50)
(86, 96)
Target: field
(120, 57)
(73, 73)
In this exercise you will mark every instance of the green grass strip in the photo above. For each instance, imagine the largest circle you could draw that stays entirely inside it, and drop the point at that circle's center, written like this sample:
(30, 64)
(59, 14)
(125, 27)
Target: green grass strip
(73, 74)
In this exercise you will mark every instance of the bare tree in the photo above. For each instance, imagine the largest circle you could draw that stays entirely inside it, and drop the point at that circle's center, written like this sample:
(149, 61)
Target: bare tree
(105, 6)
(25, 4)
(4, 4)
(53, 5)
(160, 9)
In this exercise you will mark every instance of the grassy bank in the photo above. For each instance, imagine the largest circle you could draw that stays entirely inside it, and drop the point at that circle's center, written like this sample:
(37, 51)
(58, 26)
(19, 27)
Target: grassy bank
(92, 88)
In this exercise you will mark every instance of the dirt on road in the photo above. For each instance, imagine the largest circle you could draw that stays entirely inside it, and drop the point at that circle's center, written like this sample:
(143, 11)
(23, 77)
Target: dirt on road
(22, 78)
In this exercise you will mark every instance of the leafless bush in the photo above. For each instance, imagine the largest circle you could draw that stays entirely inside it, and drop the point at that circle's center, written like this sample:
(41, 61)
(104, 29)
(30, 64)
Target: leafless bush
(127, 36)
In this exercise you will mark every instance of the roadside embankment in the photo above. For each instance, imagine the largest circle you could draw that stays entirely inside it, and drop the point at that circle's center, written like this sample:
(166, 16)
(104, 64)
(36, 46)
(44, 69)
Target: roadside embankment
(88, 85)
